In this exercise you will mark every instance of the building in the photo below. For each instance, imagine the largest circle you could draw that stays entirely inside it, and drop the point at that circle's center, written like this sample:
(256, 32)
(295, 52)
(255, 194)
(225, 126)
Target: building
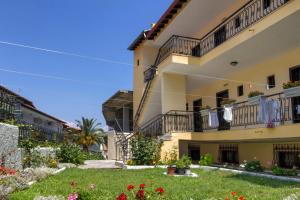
(118, 114)
(25, 112)
(201, 54)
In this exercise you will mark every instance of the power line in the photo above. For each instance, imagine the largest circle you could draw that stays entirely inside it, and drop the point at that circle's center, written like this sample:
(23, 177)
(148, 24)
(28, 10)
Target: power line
(65, 53)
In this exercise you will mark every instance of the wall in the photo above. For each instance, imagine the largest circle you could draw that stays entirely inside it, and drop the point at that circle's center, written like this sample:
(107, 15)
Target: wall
(173, 90)
(9, 151)
(111, 145)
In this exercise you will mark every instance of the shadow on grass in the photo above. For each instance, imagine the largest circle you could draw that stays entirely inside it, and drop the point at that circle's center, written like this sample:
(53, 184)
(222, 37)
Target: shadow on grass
(268, 182)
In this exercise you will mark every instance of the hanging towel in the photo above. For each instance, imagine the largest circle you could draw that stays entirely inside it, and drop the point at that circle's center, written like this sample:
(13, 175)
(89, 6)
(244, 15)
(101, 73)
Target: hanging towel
(262, 115)
(228, 114)
(213, 120)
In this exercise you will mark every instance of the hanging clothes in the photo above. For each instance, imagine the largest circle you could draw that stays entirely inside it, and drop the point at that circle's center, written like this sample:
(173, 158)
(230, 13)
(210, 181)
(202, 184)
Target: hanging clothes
(213, 120)
(269, 112)
(228, 114)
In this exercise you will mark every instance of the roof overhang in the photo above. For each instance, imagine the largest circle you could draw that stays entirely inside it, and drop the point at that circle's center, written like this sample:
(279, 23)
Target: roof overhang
(120, 99)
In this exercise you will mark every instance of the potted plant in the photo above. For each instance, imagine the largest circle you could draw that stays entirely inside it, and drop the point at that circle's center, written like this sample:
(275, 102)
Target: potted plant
(187, 164)
(204, 111)
(291, 89)
(254, 97)
(228, 102)
(171, 170)
(180, 167)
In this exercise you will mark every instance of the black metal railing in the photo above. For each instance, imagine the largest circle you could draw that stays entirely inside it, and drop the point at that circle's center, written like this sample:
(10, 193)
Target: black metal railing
(38, 133)
(245, 115)
(7, 107)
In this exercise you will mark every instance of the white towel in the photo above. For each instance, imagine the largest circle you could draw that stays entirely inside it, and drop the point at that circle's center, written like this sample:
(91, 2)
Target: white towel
(228, 114)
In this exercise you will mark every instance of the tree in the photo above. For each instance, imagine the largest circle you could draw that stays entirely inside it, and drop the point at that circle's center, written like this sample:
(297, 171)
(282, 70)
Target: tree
(88, 135)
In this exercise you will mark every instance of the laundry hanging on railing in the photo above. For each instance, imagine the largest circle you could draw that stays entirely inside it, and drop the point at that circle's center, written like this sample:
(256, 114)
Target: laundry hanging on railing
(228, 114)
(213, 120)
(269, 112)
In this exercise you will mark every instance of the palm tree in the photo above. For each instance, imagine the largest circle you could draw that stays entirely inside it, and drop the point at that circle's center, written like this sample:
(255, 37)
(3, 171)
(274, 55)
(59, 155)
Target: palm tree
(88, 135)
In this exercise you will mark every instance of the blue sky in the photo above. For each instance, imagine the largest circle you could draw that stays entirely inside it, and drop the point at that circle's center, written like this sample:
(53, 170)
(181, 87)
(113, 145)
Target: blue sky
(95, 28)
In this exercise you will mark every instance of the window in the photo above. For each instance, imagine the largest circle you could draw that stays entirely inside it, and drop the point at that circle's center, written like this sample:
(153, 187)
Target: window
(237, 22)
(267, 4)
(286, 155)
(271, 82)
(240, 90)
(229, 153)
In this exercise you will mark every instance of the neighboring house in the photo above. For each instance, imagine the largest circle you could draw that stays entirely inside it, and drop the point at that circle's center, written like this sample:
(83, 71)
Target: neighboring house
(201, 53)
(25, 112)
(118, 114)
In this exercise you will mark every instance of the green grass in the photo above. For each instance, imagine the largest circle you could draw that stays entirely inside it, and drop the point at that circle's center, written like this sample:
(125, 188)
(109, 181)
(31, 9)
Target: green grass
(210, 185)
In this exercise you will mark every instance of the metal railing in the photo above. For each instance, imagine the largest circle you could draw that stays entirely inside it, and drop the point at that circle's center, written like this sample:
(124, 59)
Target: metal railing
(246, 16)
(7, 107)
(38, 133)
(245, 115)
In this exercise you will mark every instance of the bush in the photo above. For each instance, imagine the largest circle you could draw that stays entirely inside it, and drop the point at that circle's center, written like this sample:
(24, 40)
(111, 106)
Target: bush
(70, 153)
(254, 94)
(206, 160)
(278, 171)
(187, 161)
(145, 151)
(92, 156)
(254, 166)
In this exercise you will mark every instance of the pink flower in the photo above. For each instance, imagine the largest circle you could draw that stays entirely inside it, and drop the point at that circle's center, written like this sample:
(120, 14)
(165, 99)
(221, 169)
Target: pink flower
(73, 196)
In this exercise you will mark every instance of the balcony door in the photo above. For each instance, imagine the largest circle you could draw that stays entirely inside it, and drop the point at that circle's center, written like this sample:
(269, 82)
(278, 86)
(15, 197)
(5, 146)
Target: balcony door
(223, 124)
(197, 116)
(220, 36)
(295, 76)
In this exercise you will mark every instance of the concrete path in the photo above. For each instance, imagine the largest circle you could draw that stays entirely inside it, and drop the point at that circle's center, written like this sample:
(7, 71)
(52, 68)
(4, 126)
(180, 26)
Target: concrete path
(99, 164)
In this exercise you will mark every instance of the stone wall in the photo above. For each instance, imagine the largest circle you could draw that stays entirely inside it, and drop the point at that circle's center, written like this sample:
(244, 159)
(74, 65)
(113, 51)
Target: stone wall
(10, 155)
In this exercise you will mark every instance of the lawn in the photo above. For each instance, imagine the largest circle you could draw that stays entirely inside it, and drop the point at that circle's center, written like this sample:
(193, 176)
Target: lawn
(211, 185)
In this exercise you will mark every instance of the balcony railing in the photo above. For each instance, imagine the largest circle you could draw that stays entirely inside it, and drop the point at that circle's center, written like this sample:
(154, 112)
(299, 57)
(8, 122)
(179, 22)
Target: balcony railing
(244, 114)
(246, 16)
(38, 133)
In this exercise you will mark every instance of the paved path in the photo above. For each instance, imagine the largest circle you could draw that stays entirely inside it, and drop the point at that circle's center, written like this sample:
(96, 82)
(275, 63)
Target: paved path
(99, 164)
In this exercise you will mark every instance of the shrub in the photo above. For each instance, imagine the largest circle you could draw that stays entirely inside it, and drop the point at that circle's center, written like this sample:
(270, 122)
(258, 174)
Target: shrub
(255, 93)
(92, 156)
(70, 153)
(291, 84)
(206, 160)
(180, 164)
(278, 171)
(145, 151)
(187, 161)
(171, 157)
(254, 166)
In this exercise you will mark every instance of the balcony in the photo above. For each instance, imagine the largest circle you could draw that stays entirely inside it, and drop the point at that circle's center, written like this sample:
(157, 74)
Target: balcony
(245, 116)
(246, 16)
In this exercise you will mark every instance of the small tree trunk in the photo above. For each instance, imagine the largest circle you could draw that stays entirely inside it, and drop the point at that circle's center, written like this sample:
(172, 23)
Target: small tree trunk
(85, 148)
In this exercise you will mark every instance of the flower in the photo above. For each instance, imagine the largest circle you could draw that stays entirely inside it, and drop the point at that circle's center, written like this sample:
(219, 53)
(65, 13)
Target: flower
(130, 187)
(73, 196)
(160, 190)
(140, 195)
(233, 194)
(241, 198)
(226, 198)
(142, 186)
(122, 196)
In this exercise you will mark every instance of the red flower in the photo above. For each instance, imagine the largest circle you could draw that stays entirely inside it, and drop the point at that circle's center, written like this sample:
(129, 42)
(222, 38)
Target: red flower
(140, 195)
(130, 187)
(233, 193)
(226, 198)
(122, 196)
(241, 198)
(160, 190)
(142, 186)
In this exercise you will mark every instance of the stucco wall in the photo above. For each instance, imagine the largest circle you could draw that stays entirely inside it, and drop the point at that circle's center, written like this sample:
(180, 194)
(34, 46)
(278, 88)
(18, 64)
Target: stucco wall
(9, 152)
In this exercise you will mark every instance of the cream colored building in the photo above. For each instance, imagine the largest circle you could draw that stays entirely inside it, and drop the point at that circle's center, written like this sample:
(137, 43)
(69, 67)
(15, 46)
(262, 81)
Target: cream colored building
(202, 52)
